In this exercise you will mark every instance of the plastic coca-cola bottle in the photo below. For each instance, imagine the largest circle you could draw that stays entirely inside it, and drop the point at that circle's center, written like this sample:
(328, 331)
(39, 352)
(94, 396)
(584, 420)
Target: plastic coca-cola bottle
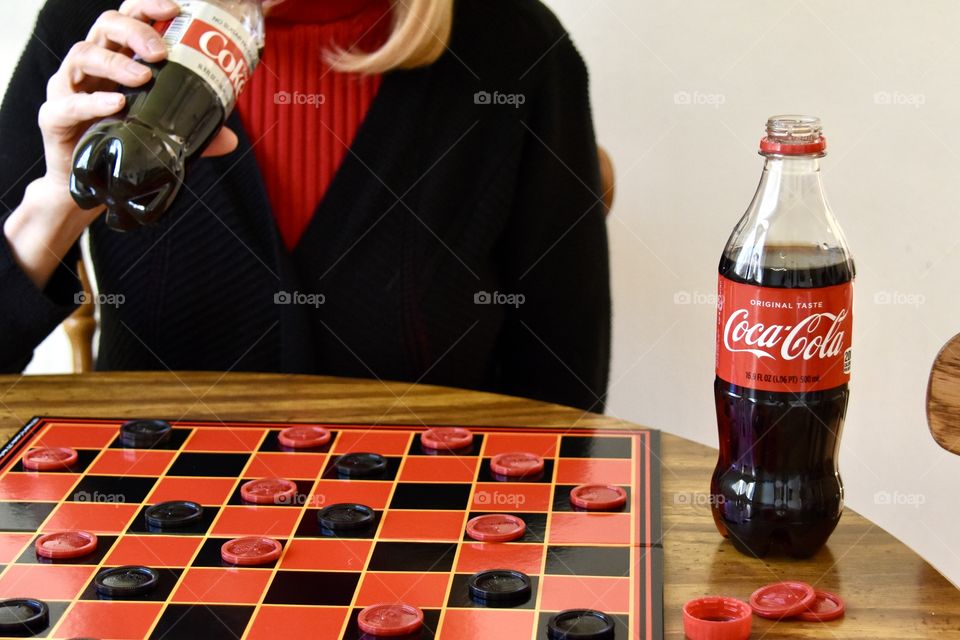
(134, 162)
(784, 319)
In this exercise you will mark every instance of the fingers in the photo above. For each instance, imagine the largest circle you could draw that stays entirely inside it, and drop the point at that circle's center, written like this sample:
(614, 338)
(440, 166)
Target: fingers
(63, 114)
(87, 60)
(98, 57)
(224, 142)
(115, 30)
(149, 9)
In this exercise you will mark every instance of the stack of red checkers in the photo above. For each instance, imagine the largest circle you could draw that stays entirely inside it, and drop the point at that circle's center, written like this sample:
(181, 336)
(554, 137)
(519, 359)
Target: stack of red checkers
(496, 527)
(796, 600)
(250, 551)
(446, 438)
(304, 436)
(516, 465)
(598, 497)
(63, 545)
(390, 620)
(720, 618)
(49, 458)
(269, 491)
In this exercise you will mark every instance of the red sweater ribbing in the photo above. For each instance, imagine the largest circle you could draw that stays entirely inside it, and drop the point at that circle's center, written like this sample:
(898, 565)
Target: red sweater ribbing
(301, 115)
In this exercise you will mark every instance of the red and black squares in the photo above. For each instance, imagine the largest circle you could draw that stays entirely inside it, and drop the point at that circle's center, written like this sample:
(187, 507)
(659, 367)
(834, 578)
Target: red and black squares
(375, 495)
(154, 551)
(121, 620)
(274, 522)
(372, 440)
(132, 462)
(285, 465)
(224, 439)
(512, 497)
(478, 556)
(221, 585)
(434, 468)
(415, 550)
(445, 526)
(91, 516)
(425, 590)
(204, 491)
(32, 487)
(44, 582)
(326, 554)
(297, 622)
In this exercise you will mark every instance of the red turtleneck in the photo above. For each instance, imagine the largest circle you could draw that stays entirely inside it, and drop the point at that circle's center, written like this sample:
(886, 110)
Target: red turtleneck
(302, 116)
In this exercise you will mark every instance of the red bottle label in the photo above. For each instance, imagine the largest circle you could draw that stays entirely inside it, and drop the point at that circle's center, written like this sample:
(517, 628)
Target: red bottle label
(787, 340)
(211, 42)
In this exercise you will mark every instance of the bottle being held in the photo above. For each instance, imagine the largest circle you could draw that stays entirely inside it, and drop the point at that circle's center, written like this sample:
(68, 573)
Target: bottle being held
(784, 320)
(134, 162)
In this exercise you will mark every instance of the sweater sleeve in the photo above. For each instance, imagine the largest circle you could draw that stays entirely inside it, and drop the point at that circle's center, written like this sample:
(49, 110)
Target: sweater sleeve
(556, 342)
(27, 314)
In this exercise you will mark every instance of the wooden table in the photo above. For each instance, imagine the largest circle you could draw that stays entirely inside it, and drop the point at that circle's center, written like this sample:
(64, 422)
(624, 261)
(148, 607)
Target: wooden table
(890, 591)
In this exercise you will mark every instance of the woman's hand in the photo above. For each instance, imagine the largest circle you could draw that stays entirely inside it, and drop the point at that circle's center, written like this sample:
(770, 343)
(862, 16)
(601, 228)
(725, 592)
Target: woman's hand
(84, 89)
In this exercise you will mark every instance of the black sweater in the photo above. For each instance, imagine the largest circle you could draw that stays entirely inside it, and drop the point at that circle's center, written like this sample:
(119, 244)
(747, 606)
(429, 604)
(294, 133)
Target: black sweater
(441, 198)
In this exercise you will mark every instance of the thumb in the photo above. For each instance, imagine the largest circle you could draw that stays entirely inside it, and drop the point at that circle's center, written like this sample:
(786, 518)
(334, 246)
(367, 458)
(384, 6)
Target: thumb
(222, 144)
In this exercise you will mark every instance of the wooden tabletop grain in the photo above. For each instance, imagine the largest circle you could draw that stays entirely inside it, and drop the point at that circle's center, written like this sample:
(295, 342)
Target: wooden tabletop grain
(890, 591)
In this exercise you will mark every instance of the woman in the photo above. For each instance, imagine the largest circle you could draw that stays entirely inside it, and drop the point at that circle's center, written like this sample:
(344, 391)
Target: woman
(432, 213)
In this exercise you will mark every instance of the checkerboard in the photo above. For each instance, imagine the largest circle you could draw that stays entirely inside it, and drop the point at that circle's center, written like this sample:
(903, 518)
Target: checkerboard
(417, 552)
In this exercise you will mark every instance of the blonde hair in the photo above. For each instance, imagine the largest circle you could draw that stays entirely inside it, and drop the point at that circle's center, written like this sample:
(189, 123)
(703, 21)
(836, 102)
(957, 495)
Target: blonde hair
(420, 35)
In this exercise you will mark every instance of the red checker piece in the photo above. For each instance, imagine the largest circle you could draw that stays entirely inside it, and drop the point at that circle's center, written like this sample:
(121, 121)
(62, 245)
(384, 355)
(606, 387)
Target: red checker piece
(598, 497)
(717, 618)
(446, 438)
(496, 527)
(304, 436)
(49, 458)
(390, 619)
(826, 606)
(516, 464)
(66, 544)
(250, 551)
(269, 491)
(782, 599)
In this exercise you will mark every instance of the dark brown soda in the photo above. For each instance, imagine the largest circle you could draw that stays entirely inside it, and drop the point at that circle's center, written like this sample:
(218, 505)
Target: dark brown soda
(776, 486)
(134, 162)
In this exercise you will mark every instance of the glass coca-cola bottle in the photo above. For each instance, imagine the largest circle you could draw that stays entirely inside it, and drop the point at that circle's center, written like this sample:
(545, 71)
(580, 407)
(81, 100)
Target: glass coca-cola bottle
(784, 320)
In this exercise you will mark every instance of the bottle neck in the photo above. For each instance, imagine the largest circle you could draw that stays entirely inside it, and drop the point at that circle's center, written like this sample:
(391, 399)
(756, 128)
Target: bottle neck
(790, 182)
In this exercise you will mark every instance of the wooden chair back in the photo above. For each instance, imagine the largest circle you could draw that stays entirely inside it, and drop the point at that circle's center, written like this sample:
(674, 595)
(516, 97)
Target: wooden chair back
(943, 397)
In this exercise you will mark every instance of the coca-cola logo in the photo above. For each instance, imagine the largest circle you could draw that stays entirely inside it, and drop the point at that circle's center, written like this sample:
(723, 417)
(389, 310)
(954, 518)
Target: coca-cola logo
(228, 57)
(817, 336)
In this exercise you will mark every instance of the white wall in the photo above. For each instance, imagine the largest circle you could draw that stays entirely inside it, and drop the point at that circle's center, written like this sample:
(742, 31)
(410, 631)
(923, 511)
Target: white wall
(687, 171)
